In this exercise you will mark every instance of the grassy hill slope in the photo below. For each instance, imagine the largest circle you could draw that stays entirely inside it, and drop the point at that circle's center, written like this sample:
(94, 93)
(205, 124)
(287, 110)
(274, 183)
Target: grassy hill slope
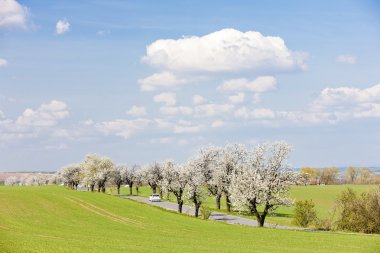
(55, 219)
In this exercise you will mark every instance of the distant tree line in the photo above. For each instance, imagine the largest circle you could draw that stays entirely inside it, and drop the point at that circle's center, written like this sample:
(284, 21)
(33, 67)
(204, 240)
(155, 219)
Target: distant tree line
(255, 181)
(332, 175)
(31, 179)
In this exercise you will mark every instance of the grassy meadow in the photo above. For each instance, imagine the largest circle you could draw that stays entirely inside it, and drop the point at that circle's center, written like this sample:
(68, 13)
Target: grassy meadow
(56, 219)
(322, 195)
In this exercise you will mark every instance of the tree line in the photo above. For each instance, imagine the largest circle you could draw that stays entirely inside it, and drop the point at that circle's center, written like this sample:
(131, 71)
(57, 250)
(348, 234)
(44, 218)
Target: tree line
(31, 179)
(255, 181)
(333, 175)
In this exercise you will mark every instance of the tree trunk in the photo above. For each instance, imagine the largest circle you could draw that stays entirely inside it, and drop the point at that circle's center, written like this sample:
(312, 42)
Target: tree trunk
(196, 205)
(118, 189)
(130, 188)
(196, 210)
(253, 210)
(180, 204)
(92, 187)
(103, 189)
(261, 221)
(260, 218)
(154, 189)
(137, 190)
(218, 197)
(228, 203)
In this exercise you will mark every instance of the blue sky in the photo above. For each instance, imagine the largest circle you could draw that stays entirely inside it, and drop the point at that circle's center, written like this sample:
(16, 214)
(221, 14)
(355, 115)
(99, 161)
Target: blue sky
(140, 81)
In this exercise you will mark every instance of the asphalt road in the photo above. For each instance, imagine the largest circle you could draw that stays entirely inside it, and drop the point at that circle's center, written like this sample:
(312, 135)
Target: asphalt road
(222, 217)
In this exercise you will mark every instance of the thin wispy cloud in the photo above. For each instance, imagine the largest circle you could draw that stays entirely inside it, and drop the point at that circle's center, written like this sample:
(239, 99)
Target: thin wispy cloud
(346, 59)
(3, 62)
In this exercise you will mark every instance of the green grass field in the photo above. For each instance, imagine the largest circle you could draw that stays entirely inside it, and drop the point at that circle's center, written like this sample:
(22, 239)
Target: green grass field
(323, 196)
(55, 219)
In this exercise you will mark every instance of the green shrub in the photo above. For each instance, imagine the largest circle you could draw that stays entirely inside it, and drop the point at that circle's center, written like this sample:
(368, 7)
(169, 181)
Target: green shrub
(304, 213)
(359, 213)
(205, 213)
(326, 224)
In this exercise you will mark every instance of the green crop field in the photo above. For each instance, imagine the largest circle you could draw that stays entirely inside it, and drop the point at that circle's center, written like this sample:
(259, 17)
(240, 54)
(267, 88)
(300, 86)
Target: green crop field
(322, 195)
(55, 219)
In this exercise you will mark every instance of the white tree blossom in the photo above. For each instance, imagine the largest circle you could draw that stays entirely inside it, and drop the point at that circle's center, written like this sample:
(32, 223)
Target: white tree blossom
(104, 171)
(167, 177)
(96, 171)
(12, 181)
(116, 176)
(153, 175)
(174, 181)
(129, 176)
(195, 191)
(208, 161)
(231, 157)
(139, 179)
(71, 175)
(264, 180)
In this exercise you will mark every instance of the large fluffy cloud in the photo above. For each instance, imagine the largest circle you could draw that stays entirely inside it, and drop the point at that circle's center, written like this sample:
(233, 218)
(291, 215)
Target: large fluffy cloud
(333, 105)
(224, 50)
(12, 14)
(347, 96)
(32, 123)
(48, 114)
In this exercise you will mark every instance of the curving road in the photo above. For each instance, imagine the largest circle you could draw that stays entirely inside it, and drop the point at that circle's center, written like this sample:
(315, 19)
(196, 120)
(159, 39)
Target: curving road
(222, 217)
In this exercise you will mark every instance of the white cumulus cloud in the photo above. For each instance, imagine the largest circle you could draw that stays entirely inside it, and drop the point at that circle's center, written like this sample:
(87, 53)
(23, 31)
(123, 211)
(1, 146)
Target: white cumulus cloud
(217, 124)
(260, 84)
(224, 50)
(168, 98)
(183, 126)
(137, 111)
(176, 110)
(163, 140)
(62, 26)
(198, 99)
(259, 113)
(46, 115)
(207, 110)
(32, 123)
(122, 127)
(12, 14)
(346, 96)
(162, 80)
(237, 98)
(347, 59)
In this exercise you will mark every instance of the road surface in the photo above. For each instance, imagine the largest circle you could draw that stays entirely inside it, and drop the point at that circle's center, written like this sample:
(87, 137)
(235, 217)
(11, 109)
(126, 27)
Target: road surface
(227, 218)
